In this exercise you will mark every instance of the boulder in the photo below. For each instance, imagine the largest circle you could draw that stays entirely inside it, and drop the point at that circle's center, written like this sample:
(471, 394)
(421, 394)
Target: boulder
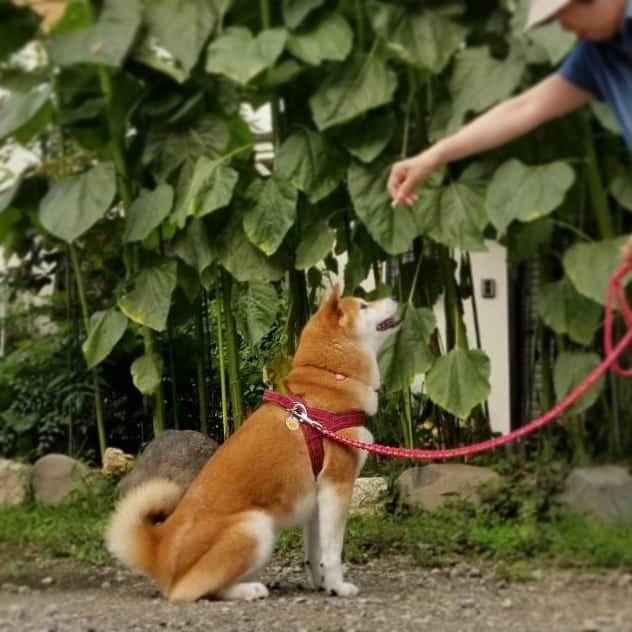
(177, 455)
(431, 486)
(14, 482)
(116, 462)
(55, 476)
(603, 492)
(369, 495)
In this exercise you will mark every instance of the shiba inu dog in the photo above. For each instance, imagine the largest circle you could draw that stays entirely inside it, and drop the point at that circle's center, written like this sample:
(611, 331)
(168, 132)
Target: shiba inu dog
(213, 539)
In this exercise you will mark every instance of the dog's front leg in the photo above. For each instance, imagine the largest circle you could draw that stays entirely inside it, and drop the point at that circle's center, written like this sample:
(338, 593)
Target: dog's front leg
(333, 506)
(311, 547)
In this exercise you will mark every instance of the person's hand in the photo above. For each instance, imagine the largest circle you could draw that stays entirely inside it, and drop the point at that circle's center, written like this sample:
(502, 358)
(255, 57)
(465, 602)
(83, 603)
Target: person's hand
(626, 250)
(407, 174)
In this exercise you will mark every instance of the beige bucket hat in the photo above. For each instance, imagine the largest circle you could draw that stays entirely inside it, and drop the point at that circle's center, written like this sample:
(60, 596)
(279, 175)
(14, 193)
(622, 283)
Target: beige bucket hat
(542, 10)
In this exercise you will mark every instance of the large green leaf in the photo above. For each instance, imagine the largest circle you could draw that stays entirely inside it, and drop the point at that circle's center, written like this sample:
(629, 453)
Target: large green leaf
(106, 43)
(147, 373)
(240, 56)
(317, 241)
(453, 215)
(7, 195)
(523, 193)
(479, 80)
(192, 246)
(269, 219)
(426, 39)
(405, 353)
(367, 137)
(106, 329)
(255, 306)
(550, 38)
(21, 104)
(311, 164)
(238, 255)
(295, 11)
(570, 370)
(183, 26)
(76, 203)
(353, 88)
(149, 301)
(459, 381)
(566, 311)
(210, 189)
(393, 229)
(168, 148)
(621, 188)
(590, 266)
(555, 42)
(329, 39)
(147, 212)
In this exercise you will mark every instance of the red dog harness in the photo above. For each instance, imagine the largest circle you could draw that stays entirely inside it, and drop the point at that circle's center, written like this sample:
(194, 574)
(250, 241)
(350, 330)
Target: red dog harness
(301, 413)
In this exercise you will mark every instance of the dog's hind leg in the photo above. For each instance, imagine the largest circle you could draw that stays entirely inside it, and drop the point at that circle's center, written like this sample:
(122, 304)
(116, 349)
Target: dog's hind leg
(238, 553)
(311, 547)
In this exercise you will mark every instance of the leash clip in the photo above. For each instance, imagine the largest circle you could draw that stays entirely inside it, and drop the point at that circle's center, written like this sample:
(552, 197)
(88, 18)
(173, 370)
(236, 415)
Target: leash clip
(299, 411)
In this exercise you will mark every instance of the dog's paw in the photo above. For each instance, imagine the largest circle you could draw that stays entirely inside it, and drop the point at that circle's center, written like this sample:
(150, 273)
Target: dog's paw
(344, 589)
(246, 591)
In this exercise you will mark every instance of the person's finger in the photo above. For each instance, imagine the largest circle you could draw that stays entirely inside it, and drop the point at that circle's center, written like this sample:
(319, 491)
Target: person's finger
(395, 179)
(405, 188)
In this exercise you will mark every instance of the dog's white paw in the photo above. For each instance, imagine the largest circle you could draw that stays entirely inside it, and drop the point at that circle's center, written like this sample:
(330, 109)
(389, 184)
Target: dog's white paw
(246, 591)
(344, 589)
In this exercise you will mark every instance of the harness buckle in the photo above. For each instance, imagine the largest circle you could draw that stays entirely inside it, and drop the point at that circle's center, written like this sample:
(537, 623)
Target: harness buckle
(299, 411)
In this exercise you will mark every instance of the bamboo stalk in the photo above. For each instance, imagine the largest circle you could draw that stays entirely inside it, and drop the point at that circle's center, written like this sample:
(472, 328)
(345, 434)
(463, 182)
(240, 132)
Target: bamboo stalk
(220, 347)
(201, 372)
(98, 400)
(232, 352)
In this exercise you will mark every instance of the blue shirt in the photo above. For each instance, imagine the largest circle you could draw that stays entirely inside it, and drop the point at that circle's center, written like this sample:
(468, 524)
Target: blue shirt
(605, 70)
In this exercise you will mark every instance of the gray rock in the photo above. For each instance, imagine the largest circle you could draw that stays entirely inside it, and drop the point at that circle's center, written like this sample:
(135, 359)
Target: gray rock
(603, 492)
(55, 476)
(369, 495)
(177, 455)
(430, 486)
(14, 482)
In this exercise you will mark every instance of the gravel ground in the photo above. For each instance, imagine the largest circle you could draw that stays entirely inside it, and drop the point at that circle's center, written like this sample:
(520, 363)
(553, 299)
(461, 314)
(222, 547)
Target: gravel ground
(62, 596)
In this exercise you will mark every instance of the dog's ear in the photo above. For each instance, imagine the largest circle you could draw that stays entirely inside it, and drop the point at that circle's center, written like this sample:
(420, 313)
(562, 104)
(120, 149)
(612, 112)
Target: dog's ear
(331, 301)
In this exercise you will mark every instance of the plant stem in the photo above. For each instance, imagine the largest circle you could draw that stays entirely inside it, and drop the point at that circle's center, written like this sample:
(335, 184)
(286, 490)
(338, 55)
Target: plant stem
(201, 371)
(98, 400)
(220, 350)
(596, 189)
(117, 147)
(232, 352)
(359, 14)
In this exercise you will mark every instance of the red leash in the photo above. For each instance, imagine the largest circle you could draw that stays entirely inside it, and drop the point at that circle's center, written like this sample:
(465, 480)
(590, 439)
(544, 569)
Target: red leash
(616, 292)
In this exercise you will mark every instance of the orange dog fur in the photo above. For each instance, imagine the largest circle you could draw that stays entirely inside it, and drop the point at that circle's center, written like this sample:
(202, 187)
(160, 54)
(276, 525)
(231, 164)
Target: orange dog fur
(218, 535)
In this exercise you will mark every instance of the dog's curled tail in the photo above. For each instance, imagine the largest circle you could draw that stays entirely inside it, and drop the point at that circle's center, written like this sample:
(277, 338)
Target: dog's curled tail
(132, 536)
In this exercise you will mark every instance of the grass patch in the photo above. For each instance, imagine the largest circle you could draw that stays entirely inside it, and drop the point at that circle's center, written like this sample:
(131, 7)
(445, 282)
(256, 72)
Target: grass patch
(73, 529)
(502, 531)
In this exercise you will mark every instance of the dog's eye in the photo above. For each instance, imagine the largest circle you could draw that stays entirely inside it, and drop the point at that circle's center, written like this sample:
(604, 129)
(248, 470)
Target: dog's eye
(364, 306)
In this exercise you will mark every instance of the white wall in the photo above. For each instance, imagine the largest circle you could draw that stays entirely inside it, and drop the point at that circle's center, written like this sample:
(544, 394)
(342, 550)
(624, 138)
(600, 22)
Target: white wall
(493, 315)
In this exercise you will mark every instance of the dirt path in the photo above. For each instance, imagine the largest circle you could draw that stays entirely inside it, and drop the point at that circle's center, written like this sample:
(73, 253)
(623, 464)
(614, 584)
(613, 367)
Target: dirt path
(61, 596)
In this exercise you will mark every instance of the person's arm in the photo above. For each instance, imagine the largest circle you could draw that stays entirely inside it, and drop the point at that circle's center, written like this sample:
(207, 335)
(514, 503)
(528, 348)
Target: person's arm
(552, 97)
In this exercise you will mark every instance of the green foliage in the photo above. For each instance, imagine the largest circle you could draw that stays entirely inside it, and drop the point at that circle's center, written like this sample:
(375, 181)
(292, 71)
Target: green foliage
(570, 370)
(106, 329)
(459, 381)
(76, 203)
(150, 168)
(518, 192)
(74, 529)
(41, 397)
(517, 527)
